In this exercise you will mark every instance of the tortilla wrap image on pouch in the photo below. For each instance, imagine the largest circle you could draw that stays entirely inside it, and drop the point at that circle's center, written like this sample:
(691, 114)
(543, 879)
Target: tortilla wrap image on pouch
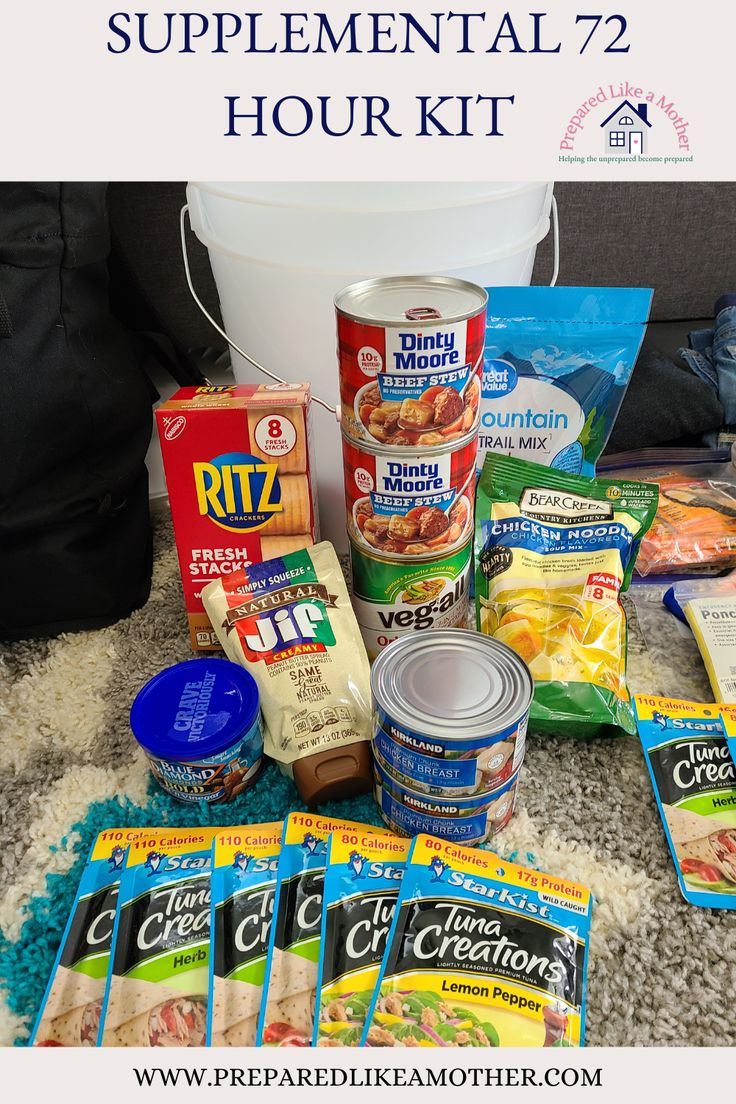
(694, 781)
(244, 866)
(78, 1025)
(158, 986)
(717, 849)
(71, 1008)
(289, 992)
(164, 1021)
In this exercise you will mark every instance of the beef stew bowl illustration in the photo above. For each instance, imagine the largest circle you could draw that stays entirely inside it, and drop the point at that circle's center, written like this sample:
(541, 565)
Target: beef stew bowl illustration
(422, 531)
(438, 415)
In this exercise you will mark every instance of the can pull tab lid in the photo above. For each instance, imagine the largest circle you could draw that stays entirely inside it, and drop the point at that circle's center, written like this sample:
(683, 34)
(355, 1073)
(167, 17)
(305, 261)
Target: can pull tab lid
(421, 314)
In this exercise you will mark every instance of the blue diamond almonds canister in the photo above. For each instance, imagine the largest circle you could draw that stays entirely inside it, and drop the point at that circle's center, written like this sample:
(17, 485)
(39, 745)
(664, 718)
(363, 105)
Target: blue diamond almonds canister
(450, 716)
(199, 723)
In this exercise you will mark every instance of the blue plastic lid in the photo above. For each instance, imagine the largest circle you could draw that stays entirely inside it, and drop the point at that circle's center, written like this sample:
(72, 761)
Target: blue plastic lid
(194, 709)
(673, 605)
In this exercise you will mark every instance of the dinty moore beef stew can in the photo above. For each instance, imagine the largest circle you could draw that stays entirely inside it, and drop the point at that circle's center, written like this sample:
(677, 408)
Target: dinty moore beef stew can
(450, 713)
(410, 351)
(392, 599)
(404, 505)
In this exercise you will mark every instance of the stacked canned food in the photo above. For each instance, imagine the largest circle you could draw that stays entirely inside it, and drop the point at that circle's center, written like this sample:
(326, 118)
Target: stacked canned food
(411, 353)
(450, 717)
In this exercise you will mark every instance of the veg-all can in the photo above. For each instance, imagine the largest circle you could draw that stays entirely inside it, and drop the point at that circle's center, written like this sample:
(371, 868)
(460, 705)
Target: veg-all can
(405, 505)
(199, 724)
(410, 352)
(450, 712)
(394, 599)
(466, 820)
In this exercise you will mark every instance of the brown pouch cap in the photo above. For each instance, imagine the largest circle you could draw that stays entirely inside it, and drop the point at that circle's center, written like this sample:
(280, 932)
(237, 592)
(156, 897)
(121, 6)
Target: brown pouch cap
(334, 774)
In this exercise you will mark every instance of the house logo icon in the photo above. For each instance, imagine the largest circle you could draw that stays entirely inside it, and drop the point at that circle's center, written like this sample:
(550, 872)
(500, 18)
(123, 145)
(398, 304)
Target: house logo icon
(625, 129)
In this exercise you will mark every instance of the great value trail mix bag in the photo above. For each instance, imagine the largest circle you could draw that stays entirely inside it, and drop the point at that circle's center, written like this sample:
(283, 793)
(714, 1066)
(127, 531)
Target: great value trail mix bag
(553, 553)
(158, 986)
(694, 780)
(481, 953)
(361, 887)
(244, 864)
(557, 362)
(287, 1006)
(71, 1008)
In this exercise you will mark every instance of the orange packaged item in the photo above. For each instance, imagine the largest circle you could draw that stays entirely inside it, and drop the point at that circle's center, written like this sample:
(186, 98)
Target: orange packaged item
(239, 476)
(695, 527)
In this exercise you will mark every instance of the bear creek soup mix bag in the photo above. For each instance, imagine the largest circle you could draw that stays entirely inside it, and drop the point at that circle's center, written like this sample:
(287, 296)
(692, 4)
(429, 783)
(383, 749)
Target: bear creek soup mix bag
(553, 552)
(694, 780)
(71, 1009)
(361, 887)
(244, 864)
(159, 977)
(481, 953)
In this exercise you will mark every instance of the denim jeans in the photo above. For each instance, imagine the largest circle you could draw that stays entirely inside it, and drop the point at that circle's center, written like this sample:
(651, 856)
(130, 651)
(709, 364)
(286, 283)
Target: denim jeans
(712, 356)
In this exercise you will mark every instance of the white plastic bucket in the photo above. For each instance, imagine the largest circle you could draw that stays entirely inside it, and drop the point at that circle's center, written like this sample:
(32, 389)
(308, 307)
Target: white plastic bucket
(280, 253)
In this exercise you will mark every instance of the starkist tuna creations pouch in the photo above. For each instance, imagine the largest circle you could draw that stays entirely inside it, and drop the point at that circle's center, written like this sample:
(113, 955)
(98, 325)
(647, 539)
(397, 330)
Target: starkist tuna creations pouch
(553, 552)
(361, 887)
(694, 781)
(557, 363)
(290, 985)
(244, 864)
(71, 1008)
(158, 985)
(481, 953)
(728, 720)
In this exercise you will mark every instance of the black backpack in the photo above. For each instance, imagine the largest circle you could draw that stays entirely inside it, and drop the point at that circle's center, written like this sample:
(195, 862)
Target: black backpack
(75, 421)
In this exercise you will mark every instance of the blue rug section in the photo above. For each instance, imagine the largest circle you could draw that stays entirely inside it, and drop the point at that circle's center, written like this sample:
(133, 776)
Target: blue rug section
(26, 965)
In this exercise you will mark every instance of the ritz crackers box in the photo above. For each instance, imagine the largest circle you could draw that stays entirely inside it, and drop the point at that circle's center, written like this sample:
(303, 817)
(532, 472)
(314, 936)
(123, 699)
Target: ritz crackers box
(239, 477)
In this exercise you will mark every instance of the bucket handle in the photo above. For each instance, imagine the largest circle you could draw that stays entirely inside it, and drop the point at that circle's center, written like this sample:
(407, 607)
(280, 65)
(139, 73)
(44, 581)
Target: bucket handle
(246, 356)
(272, 375)
(555, 241)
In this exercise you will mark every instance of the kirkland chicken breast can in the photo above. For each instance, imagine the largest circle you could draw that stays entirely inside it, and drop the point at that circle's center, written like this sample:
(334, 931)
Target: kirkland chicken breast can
(410, 352)
(464, 820)
(450, 712)
(403, 504)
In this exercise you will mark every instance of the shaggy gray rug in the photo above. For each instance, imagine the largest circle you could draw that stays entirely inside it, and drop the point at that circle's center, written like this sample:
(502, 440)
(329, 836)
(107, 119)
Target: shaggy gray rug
(661, 972)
